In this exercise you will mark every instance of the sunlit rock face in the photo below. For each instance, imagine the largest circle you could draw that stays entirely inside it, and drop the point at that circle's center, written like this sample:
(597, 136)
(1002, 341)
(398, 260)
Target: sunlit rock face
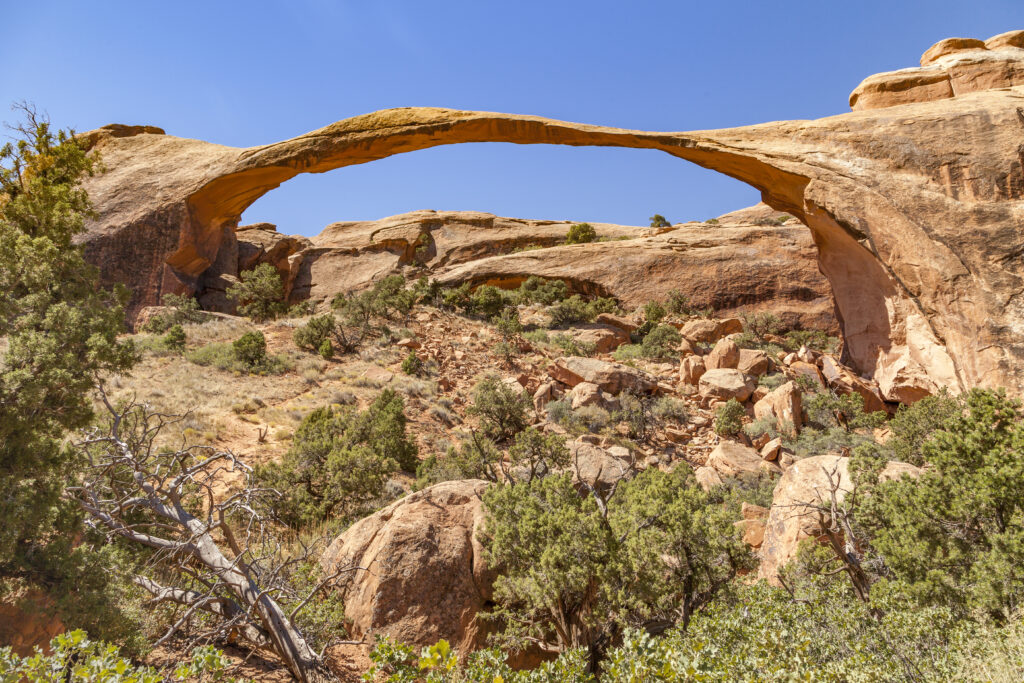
(916, 208)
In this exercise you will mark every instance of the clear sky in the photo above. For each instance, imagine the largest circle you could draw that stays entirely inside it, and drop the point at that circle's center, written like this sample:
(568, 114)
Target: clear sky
(248, 73)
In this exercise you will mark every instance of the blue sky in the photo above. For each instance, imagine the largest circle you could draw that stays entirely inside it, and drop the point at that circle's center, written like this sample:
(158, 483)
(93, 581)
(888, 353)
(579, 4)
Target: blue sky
(250, 73)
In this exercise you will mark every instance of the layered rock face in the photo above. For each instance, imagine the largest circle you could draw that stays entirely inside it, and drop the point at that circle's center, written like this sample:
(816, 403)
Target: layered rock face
(950, 67)
(916, 210)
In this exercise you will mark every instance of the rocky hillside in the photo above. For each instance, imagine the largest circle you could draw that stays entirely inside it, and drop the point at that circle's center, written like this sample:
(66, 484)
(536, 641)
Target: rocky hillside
(752, 260)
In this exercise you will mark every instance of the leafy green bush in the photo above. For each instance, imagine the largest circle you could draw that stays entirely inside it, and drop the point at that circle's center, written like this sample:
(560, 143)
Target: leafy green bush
(340, 459)
(654, 312)
(259, 293)
(251, 349)
(538, 290)
(816, 340)
(576, 309)
(581, 233)
(570, 346)
(501, 408)
(670, 409)
(659, 221)
(326, 349)
(76, 659)
(729, 418)
(568, 559)
(315, 332)
(412, 365)
(952, 536)
(175, 340)
(180, 310)
(487, 301)
(628, 352)
(661, 342)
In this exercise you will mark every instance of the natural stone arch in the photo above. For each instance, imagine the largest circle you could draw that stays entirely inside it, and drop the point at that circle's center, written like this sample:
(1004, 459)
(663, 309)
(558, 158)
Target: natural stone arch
(916, 211)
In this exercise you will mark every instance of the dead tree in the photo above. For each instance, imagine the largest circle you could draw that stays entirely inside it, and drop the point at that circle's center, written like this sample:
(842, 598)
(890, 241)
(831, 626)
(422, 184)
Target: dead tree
(213, 541)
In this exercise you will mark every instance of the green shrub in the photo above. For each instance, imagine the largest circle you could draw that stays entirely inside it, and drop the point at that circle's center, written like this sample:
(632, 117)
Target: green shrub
(670, 409)
(180, 310)
(628, 352)
(763, 425)
(729, 418)
(581, 233)
(593, 419)
(816, 340)
(340, 459)
(74, 658)
(661, 342)
(326, 349)
(559, 411)
(487, 301)
(635, 411)
(538, 290)
(659, 221)
(251, 349)
(412, 365)
(174, 340)
(259, 293)
(654, 312)
(570, 346)
(575, 310)
(502, 408)
(315, 332)
(677, 303)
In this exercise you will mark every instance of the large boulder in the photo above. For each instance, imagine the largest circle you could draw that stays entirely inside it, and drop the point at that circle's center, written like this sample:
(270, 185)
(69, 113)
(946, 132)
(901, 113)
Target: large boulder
(600, 468)
(731, 459)
(612, 378)
(783, 403)
(725, 355)
(726, 383)
(793, 516)
(843, 382)
(709, 331)
(691, 369)
(605, 338)
(423, 575)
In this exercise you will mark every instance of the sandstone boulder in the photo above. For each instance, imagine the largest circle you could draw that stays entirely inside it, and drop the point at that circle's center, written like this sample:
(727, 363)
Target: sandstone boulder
(785, 404)
(710, 331)
(734, 460)
(753, 362)
(605, 338)
(725, 355)
(425, 576)
(691, 369)
(624, 324)
(726, 383)
(843, 382)
(599, 467)
(708, 478)
(793, 517)
(612, 378)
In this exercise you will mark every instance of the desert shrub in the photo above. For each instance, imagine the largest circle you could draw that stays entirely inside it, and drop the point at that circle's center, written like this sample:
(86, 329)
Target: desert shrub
(581, 233)
(763, 425)
(559, 411)
(247, 354)
(654, 312)
(457, 298)
(661, 342)
(635, 411)
(259, 293)
(487, 301)
(834, 424)
(816, 340)
(576, 310)
(913, 425)
(659, 221)
(326, 349)
(538, 290)
(340, 459)
(594, 419)
(412, 365)
(952, 536)
(670, 409)
(508, 326)
(628, 352)
(174, 340)
(180, 309)
(607, 564)
(677, 303)
(772, 381)
(711, 221)
(251, 349)
(73, 658)
(729, 418)
(570, 346)
(315, 332)
(501, 408)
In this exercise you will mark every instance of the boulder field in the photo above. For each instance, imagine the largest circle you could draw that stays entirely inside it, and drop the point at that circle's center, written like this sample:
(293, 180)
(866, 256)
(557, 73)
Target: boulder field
(915, 208)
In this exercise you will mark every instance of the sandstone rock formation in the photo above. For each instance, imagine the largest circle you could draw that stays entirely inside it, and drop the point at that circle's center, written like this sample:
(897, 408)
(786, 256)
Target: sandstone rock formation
(609, 377)
(915, 209)
(793, 515)
(424, 576)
